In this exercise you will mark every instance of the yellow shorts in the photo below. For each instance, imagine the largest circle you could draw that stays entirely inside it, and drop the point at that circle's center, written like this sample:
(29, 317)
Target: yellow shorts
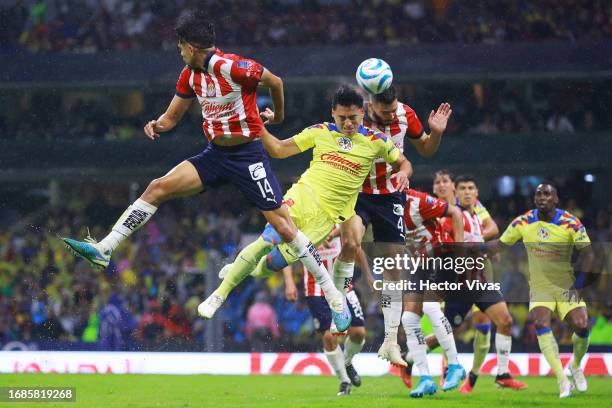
(308, 216)
(555, 300)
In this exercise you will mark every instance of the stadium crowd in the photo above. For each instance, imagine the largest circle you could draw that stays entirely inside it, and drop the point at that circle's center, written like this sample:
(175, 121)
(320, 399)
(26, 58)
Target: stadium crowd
(485, 108)
(147, 298)
(93, 26)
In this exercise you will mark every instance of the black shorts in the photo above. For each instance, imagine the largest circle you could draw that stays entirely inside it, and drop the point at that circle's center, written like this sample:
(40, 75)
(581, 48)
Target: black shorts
(321, 313)
(386, 213)
(459, 303)
(246, 166)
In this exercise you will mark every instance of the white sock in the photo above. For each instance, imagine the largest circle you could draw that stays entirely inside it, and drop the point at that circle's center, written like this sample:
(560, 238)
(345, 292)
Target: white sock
(442, 330)
(416, 341)
(503, 345)
(351, 348)
(336, 360)
(343, 274)
(391, 305)
(133, 218)
(308, 255)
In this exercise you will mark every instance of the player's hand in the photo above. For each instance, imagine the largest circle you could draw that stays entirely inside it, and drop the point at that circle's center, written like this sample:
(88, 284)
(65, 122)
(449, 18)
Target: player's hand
(291, 292)
(151, 129)
(268, 117)
(401, 179)
(439, 119)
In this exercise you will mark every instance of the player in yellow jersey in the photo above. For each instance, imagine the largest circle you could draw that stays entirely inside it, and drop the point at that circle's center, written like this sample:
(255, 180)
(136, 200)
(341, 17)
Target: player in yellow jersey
(325, 194)
(550, 235)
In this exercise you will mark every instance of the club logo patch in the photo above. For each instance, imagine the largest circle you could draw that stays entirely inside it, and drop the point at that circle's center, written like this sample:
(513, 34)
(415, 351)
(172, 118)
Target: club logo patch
(210, 89)
(257, 171)
(543, 233)
(345, 144)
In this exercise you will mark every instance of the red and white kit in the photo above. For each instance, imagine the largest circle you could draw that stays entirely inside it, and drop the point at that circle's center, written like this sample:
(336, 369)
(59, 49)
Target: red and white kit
(405, 124)
(227, 92)
(421, 215)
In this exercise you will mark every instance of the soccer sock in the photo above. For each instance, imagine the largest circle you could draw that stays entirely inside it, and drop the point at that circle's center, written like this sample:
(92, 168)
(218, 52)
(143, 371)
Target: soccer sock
(442, 330)
(481, 344)
(550, 349)
(308, 255)
(416, 341)
(391, 305)
(336, 360)
(351, 348)
(133, 218)
(343, 274)
(581, 344)
(262, 270)
(503, 345)
(244, 263)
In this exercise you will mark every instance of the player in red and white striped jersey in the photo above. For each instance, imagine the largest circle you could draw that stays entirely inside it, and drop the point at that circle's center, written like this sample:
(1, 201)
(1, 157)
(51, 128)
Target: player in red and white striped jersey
(382, 205)
(225, 86)
(340, 360)
(490, 302)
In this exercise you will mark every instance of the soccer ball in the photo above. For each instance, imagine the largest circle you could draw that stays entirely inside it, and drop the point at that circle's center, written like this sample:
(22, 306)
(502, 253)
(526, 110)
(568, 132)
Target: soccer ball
(374, 75)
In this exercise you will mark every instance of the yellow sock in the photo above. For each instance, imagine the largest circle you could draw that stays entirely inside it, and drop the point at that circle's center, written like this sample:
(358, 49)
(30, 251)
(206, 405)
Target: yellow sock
(245, 263)
(262, 271)
(581, 344)
(482, 345)
(550, 349)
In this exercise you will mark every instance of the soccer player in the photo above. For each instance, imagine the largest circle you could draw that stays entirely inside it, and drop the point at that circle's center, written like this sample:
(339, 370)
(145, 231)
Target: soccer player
(423, 239)
(382, 204)
(325, 194)
(490, 301)
(341, 361)
(225, 86)
(549, 235)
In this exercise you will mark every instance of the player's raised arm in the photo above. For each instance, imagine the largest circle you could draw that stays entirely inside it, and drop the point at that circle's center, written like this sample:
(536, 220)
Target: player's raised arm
(457, 220)
(428, 143)
(291, 292)
(168, 120)
(279, 149)
(269, 80)
(402, 172)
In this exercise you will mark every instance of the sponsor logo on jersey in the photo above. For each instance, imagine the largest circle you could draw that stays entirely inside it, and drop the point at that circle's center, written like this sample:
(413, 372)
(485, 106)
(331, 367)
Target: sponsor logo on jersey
(213, 110)
(543, 233)
(339, 162)
(344, 143)
(257, 171)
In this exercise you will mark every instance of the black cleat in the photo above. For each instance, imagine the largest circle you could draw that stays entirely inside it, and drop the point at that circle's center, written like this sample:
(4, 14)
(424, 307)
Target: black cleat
(352, 373)
(345, 389)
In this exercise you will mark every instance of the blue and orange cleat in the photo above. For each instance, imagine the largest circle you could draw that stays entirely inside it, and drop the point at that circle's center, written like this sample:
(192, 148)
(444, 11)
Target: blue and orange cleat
(342, 320)
(454, 376)
(426, 386)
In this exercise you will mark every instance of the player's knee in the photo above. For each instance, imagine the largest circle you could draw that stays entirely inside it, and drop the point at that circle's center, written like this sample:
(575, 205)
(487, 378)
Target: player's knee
(285, 228)
(580, 324)
(157, 191)
(504, 324)
(357, 334)
(329, 341)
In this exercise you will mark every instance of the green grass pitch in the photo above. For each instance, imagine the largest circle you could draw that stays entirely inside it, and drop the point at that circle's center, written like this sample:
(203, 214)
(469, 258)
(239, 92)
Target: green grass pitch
(289, 391)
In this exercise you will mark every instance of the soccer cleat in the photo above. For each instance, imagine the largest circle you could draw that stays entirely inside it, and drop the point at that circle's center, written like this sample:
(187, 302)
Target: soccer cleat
(426, 386)
(454, 376)
(406, 375)
(207, 308)
(443, 376)
(345, 389)
(565, 389)
(391, 352)
(506, 381)
(353, 375)
(89, 250)
(340, 313)
(224, 271)
(334, 330)
(579, 379)
(468, 385)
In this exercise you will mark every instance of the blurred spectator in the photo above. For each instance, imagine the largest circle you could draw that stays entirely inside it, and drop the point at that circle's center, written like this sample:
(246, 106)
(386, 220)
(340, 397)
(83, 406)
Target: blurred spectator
(559, 123)
(262, 324)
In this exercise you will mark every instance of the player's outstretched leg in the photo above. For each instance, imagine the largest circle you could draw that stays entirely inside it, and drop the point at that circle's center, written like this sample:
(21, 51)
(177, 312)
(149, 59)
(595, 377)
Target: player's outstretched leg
(481, 346)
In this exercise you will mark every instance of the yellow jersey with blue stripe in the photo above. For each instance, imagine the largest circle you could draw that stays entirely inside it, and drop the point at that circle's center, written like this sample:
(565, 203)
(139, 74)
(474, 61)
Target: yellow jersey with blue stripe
(340, 164)
(549, 246)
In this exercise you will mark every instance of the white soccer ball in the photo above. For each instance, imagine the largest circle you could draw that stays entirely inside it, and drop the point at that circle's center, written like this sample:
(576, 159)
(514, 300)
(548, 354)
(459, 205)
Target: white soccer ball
(374, 75)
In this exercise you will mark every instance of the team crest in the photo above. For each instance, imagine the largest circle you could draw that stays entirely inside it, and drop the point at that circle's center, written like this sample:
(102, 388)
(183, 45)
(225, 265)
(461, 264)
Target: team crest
(344, 143)
(543, 233)
(210, 89)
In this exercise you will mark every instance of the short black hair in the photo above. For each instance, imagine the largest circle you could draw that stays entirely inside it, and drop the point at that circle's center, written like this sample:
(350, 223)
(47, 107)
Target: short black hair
(549, 182)
(445, 172)
(386, 97)
(465, 179)
(347, 96)
(196, 28)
